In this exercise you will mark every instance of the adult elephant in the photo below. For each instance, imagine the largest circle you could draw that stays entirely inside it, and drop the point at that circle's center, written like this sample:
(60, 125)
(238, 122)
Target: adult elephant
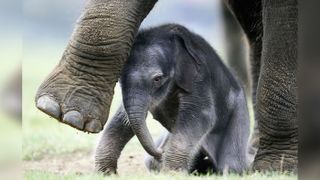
(79, 90)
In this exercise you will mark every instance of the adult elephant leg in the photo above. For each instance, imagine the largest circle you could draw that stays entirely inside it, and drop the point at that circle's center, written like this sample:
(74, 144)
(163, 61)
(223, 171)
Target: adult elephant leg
(277, 89)
(116, 135)
(79, 90)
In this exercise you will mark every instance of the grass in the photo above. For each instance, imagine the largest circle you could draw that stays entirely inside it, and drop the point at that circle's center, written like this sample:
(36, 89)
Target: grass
(51, 176)
(10, 141)
(52, 150)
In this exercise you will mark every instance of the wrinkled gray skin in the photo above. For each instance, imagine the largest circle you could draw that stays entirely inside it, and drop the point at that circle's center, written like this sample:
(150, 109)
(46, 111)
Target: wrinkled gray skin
(178, 77)
(79, 90)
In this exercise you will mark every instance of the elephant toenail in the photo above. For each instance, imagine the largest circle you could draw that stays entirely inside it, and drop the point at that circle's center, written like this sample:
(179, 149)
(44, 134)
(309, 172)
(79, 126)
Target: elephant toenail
(49, 106)
(74, 119)
(93, 127)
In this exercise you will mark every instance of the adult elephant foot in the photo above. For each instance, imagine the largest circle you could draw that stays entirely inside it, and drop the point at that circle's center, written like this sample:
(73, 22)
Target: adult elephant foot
(278, 131)
(278, 143)
(78, 94)
(79, 90)
(281, 162)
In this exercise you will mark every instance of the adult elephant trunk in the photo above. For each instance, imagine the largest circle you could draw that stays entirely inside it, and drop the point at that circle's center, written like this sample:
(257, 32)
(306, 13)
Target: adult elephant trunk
(79, 90)
(137, 108)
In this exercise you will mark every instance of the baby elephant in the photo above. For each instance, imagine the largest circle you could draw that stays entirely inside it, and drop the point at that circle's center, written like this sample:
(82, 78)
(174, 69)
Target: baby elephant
(177, 76)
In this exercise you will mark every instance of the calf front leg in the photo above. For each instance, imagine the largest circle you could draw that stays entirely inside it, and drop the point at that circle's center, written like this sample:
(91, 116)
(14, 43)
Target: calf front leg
(114, 138)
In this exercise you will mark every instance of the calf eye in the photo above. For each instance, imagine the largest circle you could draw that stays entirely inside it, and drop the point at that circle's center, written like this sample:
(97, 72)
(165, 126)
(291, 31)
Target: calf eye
(157, 81)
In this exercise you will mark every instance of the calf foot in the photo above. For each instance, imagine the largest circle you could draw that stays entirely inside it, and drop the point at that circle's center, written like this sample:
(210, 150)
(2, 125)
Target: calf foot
(107, 171)
(107, 165)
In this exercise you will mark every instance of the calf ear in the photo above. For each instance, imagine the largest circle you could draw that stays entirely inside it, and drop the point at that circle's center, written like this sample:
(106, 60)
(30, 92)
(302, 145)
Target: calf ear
(185, 69)
(187, 58)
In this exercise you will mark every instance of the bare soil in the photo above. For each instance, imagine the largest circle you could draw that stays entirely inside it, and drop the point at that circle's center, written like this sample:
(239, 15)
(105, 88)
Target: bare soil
(83, 163)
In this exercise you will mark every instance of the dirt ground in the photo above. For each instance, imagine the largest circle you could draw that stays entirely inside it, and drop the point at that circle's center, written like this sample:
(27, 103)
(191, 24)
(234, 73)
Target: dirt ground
(83, 163)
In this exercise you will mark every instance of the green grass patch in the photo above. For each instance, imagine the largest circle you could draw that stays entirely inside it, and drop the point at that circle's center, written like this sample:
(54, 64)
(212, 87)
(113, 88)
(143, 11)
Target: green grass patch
(34, 175)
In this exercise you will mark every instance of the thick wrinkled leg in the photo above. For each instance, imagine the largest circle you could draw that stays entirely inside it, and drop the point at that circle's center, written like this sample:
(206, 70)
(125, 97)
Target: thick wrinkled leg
(277, 89)
(79, 90)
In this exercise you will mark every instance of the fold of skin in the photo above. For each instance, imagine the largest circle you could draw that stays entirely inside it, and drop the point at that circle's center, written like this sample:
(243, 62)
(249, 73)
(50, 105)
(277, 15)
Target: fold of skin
(79, 91)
